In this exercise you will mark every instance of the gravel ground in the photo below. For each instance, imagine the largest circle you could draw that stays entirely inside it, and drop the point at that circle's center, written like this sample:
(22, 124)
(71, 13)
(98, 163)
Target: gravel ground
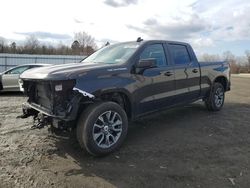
(181, 147)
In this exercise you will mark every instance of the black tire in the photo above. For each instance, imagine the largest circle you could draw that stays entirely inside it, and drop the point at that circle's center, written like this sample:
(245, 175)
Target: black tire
(90, 121)
(215, 100)
(1, 85)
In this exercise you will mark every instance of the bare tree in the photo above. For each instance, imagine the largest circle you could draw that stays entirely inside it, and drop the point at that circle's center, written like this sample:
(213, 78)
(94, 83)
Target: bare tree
(2, 40)
(2, 44)
(209, 58)
(228, 56)
(13, 47)
(231, 59)
(75, 46)
(86, 41)
(31, 44)
(62, 49)
(248, 59)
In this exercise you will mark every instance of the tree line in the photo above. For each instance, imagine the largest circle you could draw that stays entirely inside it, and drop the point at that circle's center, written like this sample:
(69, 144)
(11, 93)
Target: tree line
(240, 64)
(82, 44)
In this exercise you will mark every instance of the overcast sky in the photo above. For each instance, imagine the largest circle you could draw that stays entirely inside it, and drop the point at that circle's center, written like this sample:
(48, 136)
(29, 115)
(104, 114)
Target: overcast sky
(211, 26)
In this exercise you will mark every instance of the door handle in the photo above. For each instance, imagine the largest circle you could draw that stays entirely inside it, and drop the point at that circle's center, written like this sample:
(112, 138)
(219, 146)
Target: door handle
(169, 73)
(195, 70)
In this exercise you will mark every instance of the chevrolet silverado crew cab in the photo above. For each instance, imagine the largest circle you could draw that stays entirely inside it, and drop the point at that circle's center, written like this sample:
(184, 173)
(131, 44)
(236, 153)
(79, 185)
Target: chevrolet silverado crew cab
(118, 83)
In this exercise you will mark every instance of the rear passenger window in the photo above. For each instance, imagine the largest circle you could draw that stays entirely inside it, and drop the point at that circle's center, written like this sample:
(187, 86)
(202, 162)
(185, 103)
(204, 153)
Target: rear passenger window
(155, 51)
(180, 54)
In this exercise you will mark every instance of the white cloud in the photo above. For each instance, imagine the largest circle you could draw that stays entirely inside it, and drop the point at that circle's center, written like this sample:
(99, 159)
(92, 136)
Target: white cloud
(203, 42)
(176, 29)
(120, 3)
(204, 23)
(229, 19)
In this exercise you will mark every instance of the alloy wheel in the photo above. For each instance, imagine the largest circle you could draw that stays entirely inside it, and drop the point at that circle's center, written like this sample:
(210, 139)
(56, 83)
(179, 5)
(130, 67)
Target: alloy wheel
(107, 129)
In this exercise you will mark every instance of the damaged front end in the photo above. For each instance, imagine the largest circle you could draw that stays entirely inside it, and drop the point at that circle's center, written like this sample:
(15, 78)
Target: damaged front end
(54, 103)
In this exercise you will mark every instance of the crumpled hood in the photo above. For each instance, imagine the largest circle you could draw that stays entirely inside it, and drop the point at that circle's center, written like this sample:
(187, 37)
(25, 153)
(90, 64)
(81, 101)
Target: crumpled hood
(61, 72)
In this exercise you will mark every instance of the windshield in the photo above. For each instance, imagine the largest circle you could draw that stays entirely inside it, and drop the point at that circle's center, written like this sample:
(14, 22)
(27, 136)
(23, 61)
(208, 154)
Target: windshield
(113, 54)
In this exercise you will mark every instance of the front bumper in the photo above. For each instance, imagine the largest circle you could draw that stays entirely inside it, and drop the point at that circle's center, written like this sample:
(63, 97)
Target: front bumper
(43, 117)
(53, 101)
(67, 114)
(32, 107)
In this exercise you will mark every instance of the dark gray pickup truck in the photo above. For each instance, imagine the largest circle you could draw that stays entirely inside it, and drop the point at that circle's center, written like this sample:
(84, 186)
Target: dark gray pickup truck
(118, 83)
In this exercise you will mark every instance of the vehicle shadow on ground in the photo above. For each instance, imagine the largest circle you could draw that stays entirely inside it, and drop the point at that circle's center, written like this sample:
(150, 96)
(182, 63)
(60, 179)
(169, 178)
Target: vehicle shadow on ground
(157, 139)
(118, 168)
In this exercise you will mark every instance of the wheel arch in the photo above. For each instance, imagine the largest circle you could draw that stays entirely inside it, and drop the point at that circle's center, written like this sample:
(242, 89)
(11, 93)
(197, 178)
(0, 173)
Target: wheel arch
(223, 80)
(119, 96)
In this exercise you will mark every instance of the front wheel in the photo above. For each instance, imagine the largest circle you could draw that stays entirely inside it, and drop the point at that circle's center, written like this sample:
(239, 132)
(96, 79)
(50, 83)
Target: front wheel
(102, 128)
(216, 98)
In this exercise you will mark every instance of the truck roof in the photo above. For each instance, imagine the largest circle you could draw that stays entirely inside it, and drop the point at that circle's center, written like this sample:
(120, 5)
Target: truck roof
(168, 41)
(160, 41)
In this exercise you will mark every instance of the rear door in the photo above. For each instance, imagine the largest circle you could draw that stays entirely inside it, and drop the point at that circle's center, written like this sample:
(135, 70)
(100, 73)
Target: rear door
(155, 86)
(187, 72)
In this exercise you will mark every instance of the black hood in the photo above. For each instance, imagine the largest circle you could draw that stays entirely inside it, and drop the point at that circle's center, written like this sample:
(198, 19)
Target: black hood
(61, 72)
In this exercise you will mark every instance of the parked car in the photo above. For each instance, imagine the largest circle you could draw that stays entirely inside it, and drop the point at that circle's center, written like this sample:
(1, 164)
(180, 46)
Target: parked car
(9, 80)
(118, 83)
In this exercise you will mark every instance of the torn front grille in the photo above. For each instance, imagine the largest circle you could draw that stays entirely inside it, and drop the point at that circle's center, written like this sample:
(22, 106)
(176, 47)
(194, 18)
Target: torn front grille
(53, 97)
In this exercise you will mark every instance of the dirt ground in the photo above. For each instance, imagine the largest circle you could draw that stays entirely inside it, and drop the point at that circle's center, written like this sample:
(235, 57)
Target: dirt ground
(181, 147)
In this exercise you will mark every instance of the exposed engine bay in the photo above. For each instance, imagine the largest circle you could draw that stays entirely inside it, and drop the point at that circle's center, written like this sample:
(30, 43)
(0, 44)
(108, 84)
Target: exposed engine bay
(53, 103)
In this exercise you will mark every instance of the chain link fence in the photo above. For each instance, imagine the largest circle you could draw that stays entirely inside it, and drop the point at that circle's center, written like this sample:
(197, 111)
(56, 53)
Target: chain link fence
(8, 61)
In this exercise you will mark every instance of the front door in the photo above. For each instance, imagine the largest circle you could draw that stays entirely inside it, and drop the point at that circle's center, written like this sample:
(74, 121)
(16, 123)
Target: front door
(155, 86)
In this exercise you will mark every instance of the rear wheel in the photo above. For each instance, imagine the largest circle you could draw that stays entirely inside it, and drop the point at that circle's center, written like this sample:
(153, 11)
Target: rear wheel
(102, 128)
(215, 101)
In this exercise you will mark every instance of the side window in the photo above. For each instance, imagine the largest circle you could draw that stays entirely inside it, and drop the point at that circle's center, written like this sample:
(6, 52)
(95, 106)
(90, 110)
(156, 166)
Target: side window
(18, 70)
(180, 54)
(155, 51)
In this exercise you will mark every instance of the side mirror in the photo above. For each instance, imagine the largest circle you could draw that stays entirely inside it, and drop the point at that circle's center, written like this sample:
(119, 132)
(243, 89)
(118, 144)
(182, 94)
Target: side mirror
(146, 63)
